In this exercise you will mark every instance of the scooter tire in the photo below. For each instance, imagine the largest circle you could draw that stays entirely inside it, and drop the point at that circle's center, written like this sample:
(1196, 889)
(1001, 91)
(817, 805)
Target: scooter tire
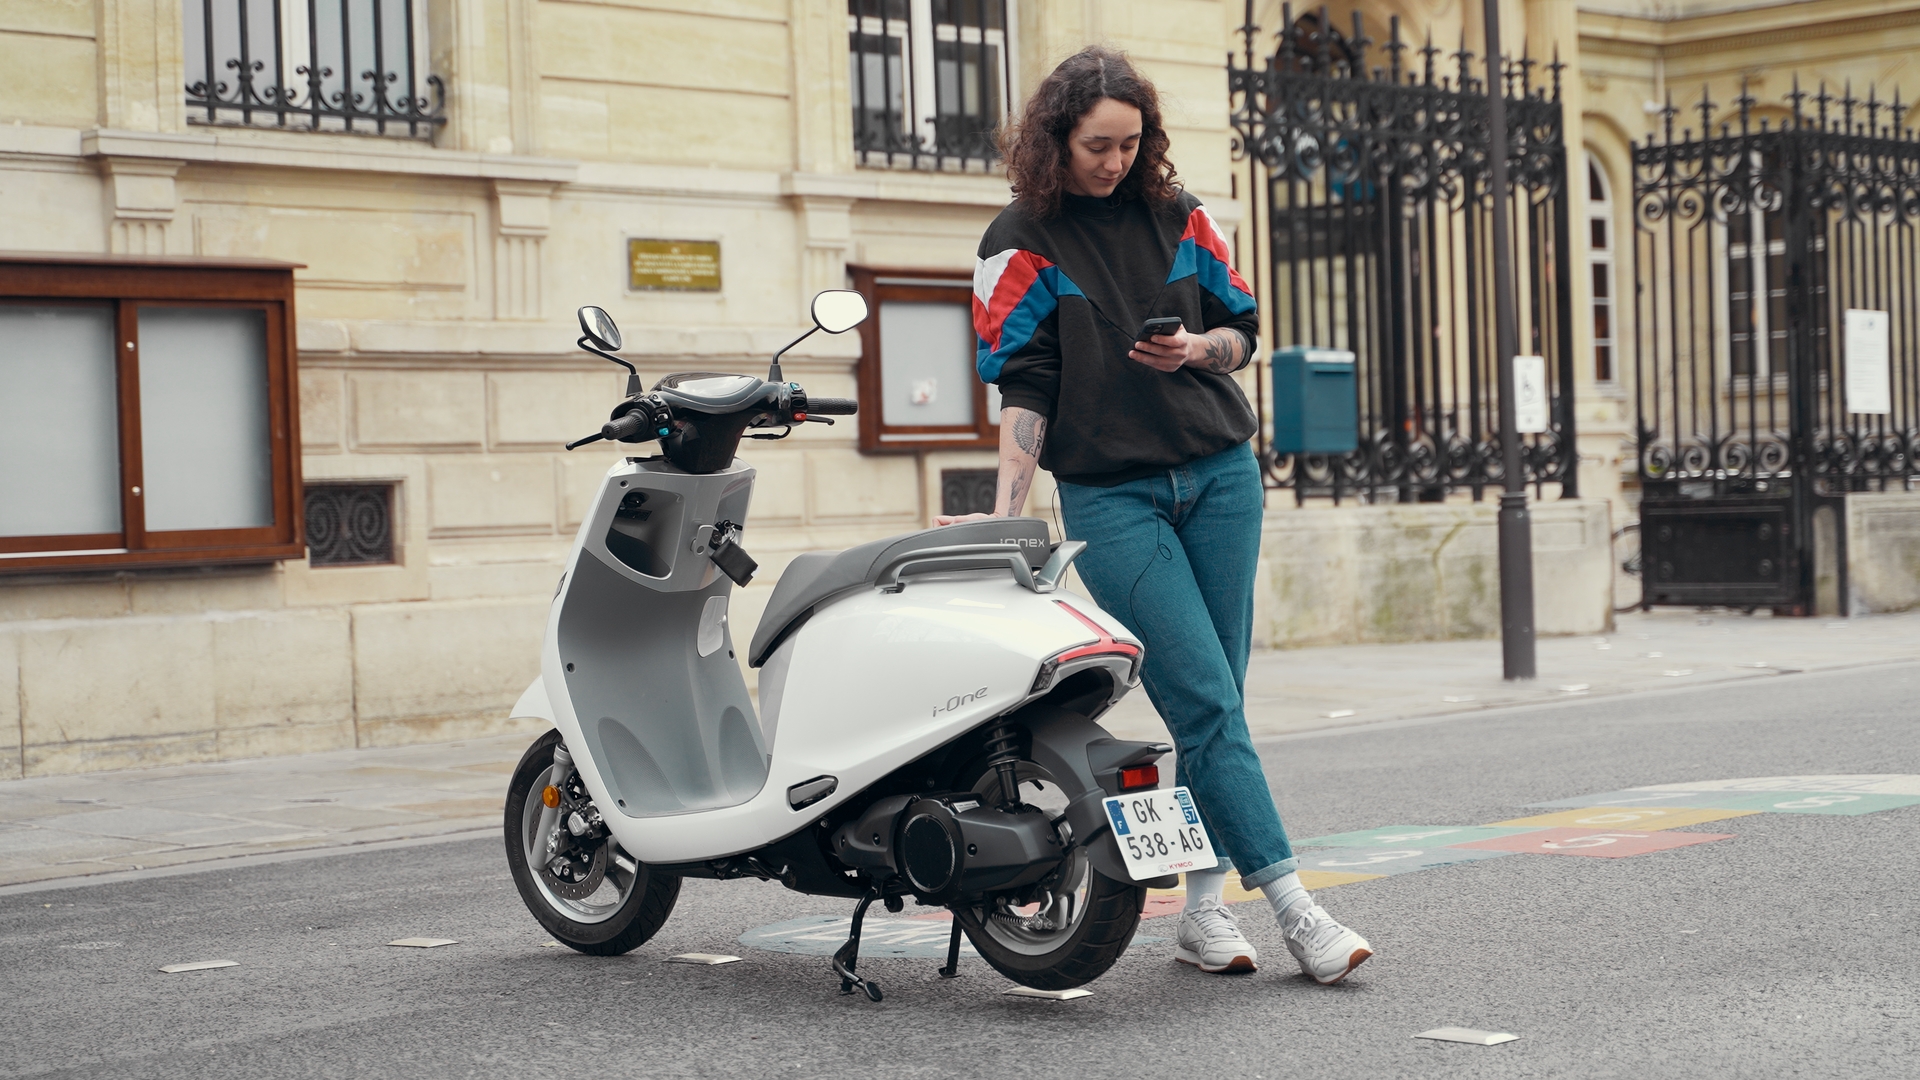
(1113, 914)
(645, 909)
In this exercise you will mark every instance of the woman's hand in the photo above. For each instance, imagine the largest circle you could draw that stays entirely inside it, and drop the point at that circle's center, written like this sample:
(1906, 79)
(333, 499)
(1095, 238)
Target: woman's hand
(956, 519)
(1221, 351)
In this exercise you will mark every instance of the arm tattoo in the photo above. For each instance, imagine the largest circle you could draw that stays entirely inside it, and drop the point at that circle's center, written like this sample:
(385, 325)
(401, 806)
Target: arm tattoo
(1225, 351)
(1017, 495)
(1029, 432)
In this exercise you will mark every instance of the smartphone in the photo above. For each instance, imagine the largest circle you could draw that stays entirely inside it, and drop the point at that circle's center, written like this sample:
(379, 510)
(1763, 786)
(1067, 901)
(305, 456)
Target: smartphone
(1166, 325)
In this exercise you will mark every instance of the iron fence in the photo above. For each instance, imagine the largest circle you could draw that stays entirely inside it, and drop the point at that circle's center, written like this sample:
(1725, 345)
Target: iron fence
(931, 81)
(315, 65)
(1371, 215)
(1751, 248)
(1777, 342)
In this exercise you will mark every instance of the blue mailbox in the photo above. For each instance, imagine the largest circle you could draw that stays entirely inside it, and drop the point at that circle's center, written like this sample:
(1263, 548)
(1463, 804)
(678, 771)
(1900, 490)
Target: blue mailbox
(1316, 404)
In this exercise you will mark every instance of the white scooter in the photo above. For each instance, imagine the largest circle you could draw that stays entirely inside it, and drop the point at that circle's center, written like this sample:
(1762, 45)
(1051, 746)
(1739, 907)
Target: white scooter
(927, 713)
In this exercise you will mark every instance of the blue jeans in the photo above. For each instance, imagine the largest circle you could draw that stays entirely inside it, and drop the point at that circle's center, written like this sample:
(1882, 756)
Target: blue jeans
(1173, 557)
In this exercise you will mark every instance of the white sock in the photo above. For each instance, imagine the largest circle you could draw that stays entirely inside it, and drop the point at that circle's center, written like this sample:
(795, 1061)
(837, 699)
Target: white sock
(1204, 885)
(1288, 897)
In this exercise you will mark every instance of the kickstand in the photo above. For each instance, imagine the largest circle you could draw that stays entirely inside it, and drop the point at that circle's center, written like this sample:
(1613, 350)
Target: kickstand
(848, 957)
(952, 970)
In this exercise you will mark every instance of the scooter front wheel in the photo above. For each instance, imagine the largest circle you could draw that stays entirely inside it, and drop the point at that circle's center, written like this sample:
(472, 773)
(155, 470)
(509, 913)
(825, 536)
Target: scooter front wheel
(609, 903)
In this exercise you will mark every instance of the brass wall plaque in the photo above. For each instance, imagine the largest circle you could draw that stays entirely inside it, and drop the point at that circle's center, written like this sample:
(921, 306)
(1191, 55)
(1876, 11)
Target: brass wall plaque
(678, 265)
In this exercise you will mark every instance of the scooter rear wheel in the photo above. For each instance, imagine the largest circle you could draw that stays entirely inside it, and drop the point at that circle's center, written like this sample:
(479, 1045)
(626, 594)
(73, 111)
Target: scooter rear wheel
(625, 911)
(1104, 912)
(1095, 942)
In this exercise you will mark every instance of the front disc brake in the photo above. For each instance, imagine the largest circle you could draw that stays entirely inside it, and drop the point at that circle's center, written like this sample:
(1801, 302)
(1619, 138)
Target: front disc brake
(581, 874)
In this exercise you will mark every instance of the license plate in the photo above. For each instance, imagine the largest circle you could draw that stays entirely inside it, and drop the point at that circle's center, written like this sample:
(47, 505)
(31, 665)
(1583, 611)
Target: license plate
(1160, 833)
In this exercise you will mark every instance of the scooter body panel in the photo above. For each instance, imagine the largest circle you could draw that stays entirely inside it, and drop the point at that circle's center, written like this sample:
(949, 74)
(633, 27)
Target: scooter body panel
(656, 713)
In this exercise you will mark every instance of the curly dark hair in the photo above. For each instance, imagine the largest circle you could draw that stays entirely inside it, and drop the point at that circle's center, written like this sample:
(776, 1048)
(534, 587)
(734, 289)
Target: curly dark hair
(1035, 147)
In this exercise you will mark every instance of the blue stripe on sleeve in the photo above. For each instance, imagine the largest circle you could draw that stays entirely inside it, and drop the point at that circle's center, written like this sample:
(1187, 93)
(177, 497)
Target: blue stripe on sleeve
(1193, 260)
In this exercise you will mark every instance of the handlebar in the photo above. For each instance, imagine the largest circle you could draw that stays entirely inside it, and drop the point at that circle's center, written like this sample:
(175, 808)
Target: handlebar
(832, 406)
(624, 427)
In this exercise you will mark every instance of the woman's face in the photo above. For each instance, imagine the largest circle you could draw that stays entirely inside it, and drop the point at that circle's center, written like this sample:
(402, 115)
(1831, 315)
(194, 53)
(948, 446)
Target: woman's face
(1101, 148)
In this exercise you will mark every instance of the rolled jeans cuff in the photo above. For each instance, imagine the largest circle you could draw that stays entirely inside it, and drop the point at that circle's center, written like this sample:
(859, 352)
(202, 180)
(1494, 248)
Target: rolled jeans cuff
(1264, 875)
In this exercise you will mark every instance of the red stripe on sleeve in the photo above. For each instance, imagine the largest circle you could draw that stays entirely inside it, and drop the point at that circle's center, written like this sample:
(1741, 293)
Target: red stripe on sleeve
(1201, 230)
(1012, 287)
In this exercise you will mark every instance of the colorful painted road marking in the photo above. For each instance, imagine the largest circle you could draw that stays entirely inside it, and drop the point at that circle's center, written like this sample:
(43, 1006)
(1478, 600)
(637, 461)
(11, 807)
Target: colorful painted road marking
(1594, 843)
(1401, 860)
(1170, 901)
(1368, 854)
(1698, 800)
(1846, 803)
(1326, 879)
(1639, 818)
(1398, 835)
(1858, 783)
(908, 936)
(821, 935)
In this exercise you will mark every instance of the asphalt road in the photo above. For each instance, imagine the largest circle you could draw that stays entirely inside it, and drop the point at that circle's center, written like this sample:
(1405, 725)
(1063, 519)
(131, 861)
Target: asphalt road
(1789, 950)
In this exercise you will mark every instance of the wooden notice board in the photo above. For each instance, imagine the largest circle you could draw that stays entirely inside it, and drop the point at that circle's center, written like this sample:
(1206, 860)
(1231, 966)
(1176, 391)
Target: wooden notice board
(677, 265)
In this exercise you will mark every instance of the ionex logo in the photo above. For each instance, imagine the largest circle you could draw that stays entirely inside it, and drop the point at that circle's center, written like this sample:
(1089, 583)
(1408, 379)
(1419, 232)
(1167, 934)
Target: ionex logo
(953, 703)
(1025, 541)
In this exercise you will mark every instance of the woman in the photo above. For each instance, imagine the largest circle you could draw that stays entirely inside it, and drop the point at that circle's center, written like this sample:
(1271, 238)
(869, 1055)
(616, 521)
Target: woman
(1148, 441)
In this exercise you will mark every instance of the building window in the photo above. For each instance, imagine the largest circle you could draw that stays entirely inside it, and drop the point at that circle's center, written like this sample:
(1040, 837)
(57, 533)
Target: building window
(312, 65)
(930, 81)
(349, 524)
(1756, 287)
(1601, 245)
(145, 412)
(917, 363)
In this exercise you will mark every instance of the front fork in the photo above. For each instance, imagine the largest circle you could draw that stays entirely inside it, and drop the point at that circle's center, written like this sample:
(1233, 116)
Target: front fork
(541, 846)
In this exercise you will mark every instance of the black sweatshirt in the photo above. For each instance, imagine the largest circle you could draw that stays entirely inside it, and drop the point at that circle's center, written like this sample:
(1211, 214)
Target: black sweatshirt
(1056, 304)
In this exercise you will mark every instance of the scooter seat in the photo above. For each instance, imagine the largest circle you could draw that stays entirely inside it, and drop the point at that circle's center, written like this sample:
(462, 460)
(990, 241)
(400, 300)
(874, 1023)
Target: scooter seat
(818, 576)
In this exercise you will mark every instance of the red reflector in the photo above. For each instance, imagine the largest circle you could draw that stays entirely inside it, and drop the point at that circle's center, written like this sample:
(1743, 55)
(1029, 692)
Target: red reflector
(1139, 776)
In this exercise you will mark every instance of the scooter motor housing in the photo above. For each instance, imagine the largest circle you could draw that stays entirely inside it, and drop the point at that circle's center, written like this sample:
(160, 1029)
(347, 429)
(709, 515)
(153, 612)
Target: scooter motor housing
(931, 851)
(951, 846)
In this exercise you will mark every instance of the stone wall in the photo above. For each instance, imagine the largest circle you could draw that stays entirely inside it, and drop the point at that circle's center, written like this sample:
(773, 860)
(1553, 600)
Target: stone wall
(1883, 551)
(1420, 572)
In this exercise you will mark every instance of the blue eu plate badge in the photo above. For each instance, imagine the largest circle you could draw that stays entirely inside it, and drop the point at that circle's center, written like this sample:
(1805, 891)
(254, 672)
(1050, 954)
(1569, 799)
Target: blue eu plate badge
(1160, 833)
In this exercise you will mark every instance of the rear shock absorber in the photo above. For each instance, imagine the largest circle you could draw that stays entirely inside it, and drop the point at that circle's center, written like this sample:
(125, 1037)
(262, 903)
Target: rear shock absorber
(1003, 753)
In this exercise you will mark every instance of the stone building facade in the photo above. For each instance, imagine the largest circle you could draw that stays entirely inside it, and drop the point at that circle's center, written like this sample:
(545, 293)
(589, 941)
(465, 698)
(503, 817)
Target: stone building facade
(439, 271)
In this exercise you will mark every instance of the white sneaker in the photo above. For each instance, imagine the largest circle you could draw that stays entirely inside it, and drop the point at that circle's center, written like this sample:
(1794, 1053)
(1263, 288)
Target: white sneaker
(1210, 940)
(1327, 951)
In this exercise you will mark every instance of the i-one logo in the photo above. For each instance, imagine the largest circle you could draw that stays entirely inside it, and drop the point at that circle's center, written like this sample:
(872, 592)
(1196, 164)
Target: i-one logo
(958, 700)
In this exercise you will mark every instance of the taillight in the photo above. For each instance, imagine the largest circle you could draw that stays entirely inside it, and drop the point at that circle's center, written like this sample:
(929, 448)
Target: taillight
(1134, 777)
(1104, 645)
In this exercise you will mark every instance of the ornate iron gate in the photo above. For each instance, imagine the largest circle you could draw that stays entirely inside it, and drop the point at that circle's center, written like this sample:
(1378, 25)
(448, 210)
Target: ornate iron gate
(1751, 249)
(1370, 199)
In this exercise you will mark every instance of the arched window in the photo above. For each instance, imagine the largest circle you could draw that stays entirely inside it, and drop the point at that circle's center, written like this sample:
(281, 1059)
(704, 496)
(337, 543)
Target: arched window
(1601, 244)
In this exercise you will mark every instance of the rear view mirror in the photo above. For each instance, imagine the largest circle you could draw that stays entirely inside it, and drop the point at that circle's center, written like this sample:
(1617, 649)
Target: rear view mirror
(837, 310)
(599, 327)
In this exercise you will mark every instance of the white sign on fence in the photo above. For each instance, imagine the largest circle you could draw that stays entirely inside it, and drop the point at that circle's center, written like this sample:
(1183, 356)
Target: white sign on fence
(1530, 395)
(1869, 385)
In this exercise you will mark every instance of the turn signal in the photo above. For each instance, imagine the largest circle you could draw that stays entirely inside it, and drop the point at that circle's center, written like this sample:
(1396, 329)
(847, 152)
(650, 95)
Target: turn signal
(550, 797)
(1139, 776)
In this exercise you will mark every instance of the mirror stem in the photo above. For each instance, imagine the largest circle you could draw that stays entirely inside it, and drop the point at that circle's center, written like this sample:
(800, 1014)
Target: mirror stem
(773, 371)
(633, 374)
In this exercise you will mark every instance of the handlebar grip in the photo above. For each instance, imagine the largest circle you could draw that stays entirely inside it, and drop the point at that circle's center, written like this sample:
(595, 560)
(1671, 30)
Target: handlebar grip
(832, 406)
(625, 427)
